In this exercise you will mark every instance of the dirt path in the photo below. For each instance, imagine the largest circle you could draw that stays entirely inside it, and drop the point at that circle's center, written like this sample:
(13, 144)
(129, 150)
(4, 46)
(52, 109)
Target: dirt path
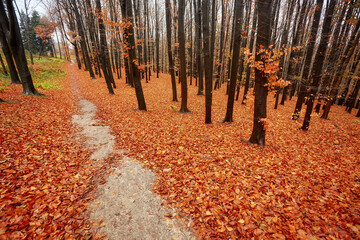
(126, 207)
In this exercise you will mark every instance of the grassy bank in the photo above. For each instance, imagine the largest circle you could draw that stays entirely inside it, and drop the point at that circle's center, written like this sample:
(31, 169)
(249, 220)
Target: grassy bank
(45, 73)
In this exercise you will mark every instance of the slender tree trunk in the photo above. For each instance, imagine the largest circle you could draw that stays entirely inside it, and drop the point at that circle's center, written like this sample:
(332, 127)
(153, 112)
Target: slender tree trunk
(82, 41)
(235, 60)
(3, 65)
(352, 97)
(105, 63)
(217, 83)
(157, 40)
(308, 58)
(251, 46)
(263, 39)
(28, 39)
(9, 59)
(345, 59)
(319, 59)
(207, 60)
(198, 47)
(212, 43)
(181, 35)
(171, 61)
(129, 39)
(11, 30)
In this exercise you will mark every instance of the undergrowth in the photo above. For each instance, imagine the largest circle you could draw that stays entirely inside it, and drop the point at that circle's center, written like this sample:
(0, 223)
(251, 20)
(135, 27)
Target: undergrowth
(45, 73)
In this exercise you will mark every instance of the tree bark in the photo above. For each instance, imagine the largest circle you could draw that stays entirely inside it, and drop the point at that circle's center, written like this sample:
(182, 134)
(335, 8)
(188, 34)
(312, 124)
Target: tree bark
(235, 61)
(82, 41)
(309, 55)
(207, 60)
(105, 63)
(198, 47)
(129, 39)
(181, 35)
(9, 59)
(315, 76)
(157, 40)
(263, 39)
(217, 83)
(3, 65)
(170, 56)
(11, 30)
(345, 59)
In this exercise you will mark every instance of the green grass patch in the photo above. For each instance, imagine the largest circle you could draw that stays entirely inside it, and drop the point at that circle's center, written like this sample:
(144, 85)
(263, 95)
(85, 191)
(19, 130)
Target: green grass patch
(5, 82)
(45, 72)
(47, 85)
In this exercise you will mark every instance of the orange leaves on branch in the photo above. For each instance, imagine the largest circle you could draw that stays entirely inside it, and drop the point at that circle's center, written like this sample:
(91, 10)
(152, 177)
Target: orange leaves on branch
(269, 64)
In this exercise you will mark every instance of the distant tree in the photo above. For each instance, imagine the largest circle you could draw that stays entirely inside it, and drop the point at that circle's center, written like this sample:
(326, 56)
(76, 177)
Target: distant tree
(82, 39)
(344, 60)
(45, 31)
(261, 90)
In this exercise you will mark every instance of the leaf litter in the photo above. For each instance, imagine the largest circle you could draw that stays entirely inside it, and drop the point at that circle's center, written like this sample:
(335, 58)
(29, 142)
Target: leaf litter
(302, 185)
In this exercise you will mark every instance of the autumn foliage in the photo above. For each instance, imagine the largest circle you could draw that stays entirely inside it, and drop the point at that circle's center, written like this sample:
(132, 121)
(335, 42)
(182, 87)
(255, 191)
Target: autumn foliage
(302, 185)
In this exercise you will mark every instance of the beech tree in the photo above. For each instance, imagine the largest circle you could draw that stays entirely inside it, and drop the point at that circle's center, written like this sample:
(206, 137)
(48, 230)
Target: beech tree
(315, 76)
(234, 61)
(207, 61)
(104, 52)
(260, 89)
(11, 30)
(126, 10)
(181, 33)
(170, 56)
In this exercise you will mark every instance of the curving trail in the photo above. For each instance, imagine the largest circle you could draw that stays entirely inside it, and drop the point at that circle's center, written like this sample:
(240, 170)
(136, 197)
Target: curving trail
(126, 207)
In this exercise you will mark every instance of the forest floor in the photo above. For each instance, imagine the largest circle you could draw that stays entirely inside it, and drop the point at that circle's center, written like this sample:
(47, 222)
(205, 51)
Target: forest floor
(302, 185)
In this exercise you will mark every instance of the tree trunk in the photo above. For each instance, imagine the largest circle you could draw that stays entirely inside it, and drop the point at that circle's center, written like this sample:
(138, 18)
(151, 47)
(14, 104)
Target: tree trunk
(198, 47)
(352, 97)
(319, 60)
(105, 63)
(9, 59)
(11, 30)
(157, 40)
(345, 59)
(181, 35)
(207, 60)
(170, 56)
(129, 40)
(218, 64)
(82, 41)
(235, 61)
(3, 65)
(309, 55)
(212, 43)
(263, 39)
(248, 68)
